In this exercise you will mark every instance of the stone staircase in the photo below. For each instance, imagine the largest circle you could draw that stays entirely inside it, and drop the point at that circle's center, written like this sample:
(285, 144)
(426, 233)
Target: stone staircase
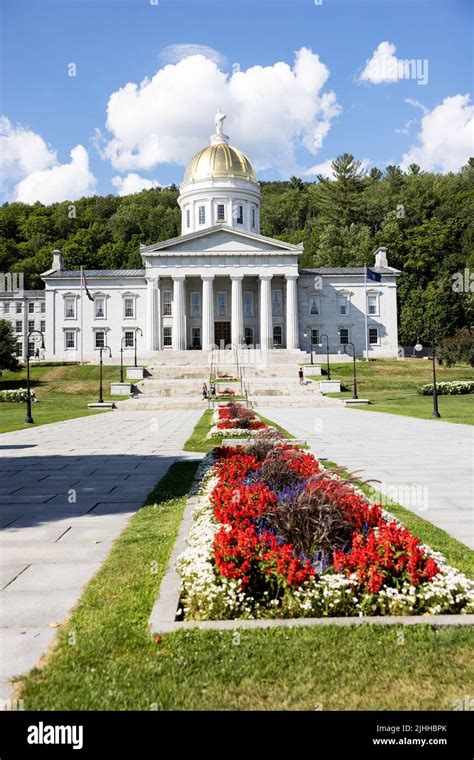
(174, 380)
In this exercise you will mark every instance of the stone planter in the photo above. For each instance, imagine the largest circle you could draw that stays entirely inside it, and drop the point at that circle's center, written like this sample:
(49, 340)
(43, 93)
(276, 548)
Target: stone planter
(330, 386)
(120, 389)
(135, 373)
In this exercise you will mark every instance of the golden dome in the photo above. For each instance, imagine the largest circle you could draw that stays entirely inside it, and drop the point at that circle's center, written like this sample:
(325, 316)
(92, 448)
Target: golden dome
(219, 160)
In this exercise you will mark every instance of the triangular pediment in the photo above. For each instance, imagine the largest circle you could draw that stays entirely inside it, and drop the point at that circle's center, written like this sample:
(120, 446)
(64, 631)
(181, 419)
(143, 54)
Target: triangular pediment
(220, 239)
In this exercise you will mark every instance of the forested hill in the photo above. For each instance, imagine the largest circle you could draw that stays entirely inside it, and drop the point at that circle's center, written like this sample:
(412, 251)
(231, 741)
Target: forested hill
(425, 220)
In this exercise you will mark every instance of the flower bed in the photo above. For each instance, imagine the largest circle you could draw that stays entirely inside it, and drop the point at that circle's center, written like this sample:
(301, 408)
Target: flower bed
(234, 420)
(449, 388)
(17, 395)
(275, 535)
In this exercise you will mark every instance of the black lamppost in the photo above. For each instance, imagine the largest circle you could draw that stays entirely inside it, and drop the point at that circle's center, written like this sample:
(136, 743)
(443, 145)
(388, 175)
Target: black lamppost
(29, 419)
(137, 329)
(327, 354)
(354, 395)
(121, 359)
(102, 348)
(419, 347)
(309, 331)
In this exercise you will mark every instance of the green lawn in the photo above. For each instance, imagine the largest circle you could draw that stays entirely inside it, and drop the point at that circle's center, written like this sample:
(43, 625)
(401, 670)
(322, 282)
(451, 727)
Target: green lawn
(391, 386)
(63, 393)
(114, 665)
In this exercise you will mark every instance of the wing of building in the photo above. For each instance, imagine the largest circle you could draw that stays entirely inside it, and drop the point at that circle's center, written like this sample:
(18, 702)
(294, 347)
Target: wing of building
(220, 283)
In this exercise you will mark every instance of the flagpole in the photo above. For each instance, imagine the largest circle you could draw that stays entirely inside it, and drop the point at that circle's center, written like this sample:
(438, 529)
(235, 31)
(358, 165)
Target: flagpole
(82, 321)
(366, 316)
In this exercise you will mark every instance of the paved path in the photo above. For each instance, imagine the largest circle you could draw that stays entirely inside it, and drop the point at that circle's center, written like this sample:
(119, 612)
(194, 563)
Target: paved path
(425, 465)
(66, 492)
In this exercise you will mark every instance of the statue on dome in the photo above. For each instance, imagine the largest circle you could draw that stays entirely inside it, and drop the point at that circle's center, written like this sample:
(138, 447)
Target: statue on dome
(219, 122)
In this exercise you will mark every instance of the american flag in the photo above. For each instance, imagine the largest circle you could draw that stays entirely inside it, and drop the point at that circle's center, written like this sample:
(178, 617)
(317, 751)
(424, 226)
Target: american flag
(84, 284)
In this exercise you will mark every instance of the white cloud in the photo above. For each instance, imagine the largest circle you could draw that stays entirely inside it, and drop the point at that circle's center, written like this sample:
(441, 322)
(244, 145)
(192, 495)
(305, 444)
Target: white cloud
(58, 183)
(416, 104)
(133, 183)
(271, 111)
(325, 168)
(22, 152)
(445, 139)
(384, 67)
(176, 53)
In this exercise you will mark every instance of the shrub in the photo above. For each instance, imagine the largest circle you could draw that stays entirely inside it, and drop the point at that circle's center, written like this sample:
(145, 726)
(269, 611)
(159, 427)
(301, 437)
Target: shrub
(457, 348)
(17, 395)
(450, 388)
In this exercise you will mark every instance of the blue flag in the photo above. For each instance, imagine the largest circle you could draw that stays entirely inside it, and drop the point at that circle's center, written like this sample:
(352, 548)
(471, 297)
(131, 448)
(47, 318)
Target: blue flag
(374, 276)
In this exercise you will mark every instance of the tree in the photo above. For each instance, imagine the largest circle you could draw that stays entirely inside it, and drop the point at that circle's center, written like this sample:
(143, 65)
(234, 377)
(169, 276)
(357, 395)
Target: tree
(8, 359)
(340, 198)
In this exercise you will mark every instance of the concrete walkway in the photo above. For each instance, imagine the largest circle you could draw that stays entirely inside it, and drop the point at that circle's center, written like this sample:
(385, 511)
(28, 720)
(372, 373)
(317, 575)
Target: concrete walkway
(66, 491)
(425, 465)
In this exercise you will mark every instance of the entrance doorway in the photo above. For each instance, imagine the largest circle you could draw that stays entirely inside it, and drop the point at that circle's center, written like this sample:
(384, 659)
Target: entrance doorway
(222, 334)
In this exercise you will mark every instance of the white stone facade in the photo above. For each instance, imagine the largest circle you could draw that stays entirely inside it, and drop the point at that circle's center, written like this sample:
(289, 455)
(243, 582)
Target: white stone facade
(25, 310)
(220, 284)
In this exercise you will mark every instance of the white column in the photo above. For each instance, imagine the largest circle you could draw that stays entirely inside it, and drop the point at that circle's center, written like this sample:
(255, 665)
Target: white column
(292, 338)
(152, 338)
(266, 321)
(237, 315)
(207, 336)
(179, 322)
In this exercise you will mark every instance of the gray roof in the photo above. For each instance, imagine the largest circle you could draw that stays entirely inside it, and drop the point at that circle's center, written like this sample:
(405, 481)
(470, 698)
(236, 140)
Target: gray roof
(348, 270)
(97, 273)
(22, 293)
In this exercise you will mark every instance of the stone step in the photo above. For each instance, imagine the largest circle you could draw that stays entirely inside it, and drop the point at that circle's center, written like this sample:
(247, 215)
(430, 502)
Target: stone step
(312, 402)
(152, 402)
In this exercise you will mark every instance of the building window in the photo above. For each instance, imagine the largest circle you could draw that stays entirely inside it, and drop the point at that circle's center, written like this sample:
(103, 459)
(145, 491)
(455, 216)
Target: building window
(248, 333)
(372, 305)
(6, 307)
(220, 212)
(373, 335)
(129, 308)
(222, 304)
(167, 303)
(19, 349)
(315, 336)
(43, 307)
(196, 337)
(99, 339)
(188, 218)
(31, 325)
(99, 307)
(18, 326)
(253, 217)
(276, 303)
(314, 306)
(70, 308)
(195, 303)
(129, 336)
(277, 335)
(343, 336)
(248, 303)
(343, 305)
(31, 308)
(167, 336)
(43, 325)
(31, 348)
(70, 339)
(18, 307)
(240, 214)
(202, 215)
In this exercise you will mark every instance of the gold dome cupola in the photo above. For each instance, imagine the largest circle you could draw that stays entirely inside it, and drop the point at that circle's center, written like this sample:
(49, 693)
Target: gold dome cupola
(219, 186)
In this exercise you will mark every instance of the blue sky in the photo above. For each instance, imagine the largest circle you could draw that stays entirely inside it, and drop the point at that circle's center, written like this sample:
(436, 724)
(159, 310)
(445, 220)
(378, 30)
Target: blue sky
(270, 116)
